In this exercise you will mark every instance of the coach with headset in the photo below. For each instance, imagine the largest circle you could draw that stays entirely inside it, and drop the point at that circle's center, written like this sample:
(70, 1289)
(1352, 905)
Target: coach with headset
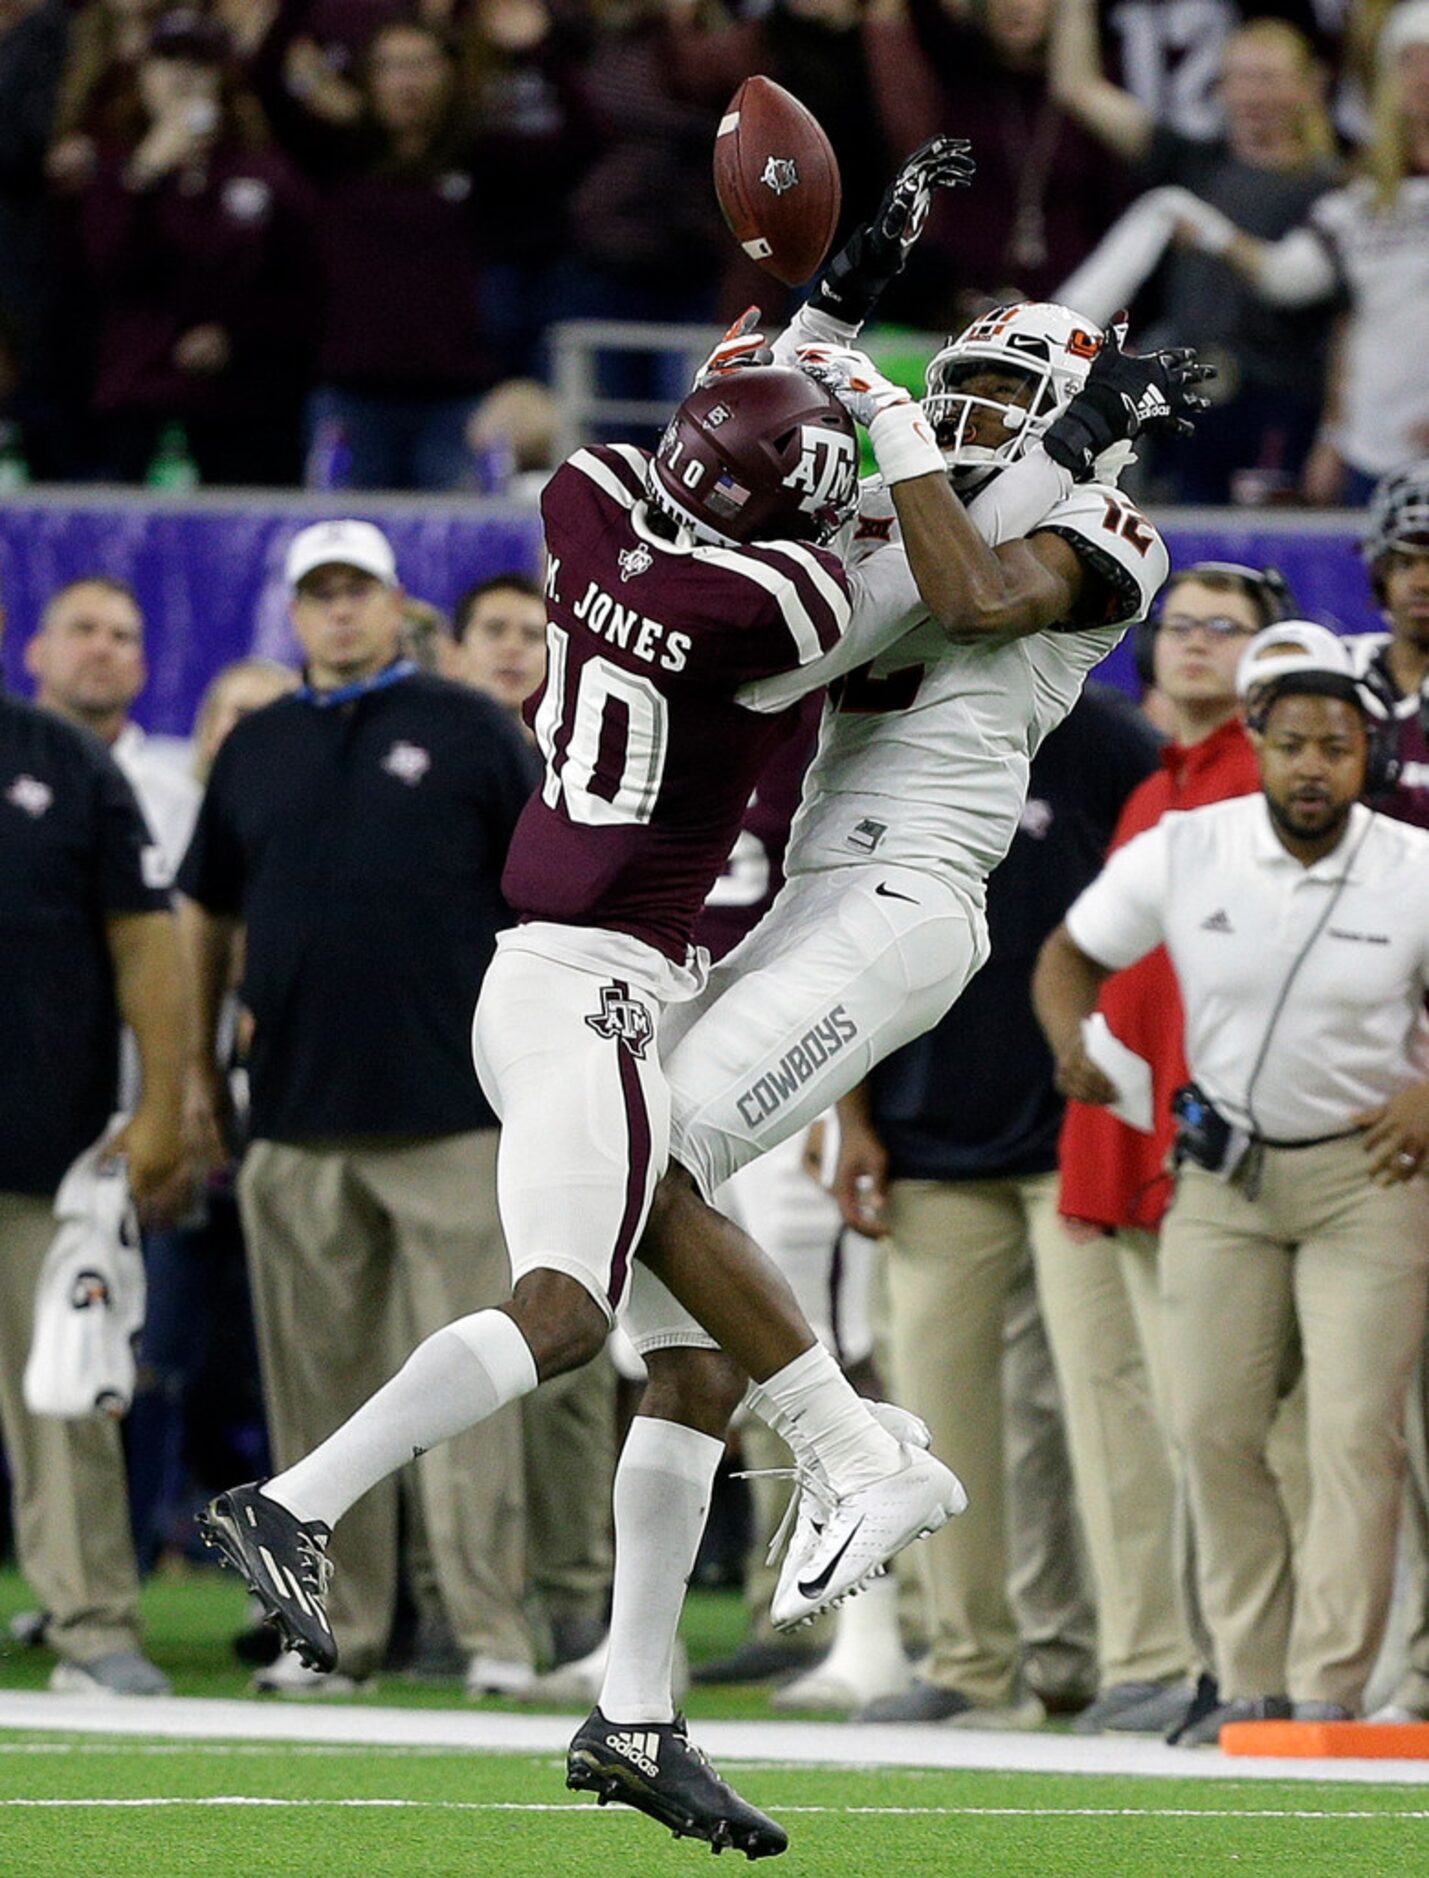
(1297, 921)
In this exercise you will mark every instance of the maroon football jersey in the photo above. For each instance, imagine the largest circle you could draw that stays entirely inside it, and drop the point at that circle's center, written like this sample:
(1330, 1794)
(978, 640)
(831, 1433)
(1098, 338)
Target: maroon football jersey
(650, 760)
(754, 872)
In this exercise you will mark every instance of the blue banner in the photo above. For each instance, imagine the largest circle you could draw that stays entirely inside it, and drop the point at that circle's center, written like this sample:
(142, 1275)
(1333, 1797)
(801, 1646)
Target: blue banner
(209, 573)
(208, 569)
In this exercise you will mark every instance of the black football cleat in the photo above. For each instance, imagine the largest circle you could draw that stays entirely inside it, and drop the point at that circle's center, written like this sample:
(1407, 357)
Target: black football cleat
(656, 1768)
(283, 1561)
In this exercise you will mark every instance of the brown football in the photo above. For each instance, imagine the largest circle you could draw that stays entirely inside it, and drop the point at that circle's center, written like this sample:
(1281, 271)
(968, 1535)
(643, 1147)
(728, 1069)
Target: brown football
(777, 180)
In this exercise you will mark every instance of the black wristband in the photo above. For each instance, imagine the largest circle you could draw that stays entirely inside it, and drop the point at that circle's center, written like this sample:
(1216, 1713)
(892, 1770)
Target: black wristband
(1091, 423)
(853, 283)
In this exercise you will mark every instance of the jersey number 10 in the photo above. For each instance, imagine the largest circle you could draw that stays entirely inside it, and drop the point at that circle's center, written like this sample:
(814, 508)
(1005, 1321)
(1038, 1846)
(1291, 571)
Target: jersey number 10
(608, 767)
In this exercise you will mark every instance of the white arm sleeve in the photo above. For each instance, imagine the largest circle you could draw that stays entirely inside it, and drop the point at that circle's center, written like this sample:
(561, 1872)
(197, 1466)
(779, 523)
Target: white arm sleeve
(1127, 255)
(1016, 501)
(1121, 916)
(885, 596)
(809, 327)
(1296, 270)
(886, 605)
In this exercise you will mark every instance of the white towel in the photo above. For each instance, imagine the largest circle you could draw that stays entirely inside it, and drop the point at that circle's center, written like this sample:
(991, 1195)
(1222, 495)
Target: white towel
(89, 1303)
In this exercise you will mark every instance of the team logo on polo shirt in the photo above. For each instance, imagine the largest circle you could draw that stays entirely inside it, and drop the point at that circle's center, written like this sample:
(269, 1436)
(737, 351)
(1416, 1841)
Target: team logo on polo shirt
(408, 762)
(31, 795)
(622, 1016)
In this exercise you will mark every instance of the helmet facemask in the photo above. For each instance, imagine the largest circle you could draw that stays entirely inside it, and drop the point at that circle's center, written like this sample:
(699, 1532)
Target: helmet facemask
(951, 412)
(1047, 348)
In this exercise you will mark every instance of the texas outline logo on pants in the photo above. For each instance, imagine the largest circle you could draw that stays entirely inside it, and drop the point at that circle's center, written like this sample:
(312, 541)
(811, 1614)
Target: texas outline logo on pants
(624, 1017)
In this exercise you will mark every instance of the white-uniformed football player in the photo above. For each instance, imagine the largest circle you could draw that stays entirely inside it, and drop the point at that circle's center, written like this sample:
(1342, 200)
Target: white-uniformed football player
(913, 798)
(922, 765)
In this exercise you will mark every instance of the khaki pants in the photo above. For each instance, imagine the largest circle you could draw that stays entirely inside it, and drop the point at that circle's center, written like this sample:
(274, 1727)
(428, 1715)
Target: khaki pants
(1102, 1311)
(1413, 1689)
(355, 1251)
(1324, 1252)
(953, 1259)
(71, 1505)
(1049, 1578)
(568, 1427)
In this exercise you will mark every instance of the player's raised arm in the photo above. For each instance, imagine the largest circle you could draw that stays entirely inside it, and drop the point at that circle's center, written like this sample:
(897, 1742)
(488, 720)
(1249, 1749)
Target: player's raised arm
(855, 280)
(1024, 586)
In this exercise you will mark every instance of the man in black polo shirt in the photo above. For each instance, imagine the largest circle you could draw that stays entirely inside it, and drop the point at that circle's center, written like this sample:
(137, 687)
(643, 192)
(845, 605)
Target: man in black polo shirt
(960, 1128)
(356, 831)
(86, 939)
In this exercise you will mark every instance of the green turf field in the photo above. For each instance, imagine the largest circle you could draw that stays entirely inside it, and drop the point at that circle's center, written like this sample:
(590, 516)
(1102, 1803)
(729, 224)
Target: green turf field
(78, 1806)
(364, 1812)
(190, 1618)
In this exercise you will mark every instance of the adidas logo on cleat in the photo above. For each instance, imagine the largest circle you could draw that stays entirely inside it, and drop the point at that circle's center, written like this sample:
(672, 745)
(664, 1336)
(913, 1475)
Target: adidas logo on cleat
(641, 1750)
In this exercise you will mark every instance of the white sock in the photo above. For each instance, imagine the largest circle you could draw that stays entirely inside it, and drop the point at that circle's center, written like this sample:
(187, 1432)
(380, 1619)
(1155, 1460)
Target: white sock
(662, 1500)
(454, 1379)
(812, 1404)
(867, 1627)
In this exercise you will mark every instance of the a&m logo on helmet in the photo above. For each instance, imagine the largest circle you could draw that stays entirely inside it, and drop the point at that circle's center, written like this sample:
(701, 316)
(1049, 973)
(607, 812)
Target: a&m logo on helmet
(826, 473)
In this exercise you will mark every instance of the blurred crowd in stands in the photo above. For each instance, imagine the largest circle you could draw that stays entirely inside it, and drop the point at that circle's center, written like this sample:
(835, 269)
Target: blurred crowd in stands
(277, 241)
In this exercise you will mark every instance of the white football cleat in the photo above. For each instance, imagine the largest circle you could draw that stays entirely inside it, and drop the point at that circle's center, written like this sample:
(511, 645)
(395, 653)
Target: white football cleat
(839, 1544)
(809, 1502)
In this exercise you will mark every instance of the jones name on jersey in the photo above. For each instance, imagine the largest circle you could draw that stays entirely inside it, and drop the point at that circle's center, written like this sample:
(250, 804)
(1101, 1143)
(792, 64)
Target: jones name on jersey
(650, 756)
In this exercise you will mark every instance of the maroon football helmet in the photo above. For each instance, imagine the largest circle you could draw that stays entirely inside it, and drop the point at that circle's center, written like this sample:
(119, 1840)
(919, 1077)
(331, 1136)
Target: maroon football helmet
(760, 454)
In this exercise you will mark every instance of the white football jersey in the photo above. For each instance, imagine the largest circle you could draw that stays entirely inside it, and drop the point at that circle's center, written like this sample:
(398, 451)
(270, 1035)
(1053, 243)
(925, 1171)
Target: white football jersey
(924, 754)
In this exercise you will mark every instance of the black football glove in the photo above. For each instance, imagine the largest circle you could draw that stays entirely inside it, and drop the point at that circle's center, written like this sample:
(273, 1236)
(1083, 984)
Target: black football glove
(1125, 395)
(854, 281)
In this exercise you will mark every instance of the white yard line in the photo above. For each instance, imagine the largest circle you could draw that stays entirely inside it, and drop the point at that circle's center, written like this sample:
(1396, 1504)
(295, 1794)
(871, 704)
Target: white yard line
(584, 1809)
(587, 1811)
(802, 1744)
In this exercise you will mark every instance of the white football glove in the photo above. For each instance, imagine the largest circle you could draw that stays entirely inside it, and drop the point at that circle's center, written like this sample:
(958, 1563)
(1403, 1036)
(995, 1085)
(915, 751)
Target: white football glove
(854, 380)
(897, 426)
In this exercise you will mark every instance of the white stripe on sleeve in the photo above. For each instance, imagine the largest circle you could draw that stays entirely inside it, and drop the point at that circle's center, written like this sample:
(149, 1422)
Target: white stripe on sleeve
(603, 476)
(782, 589)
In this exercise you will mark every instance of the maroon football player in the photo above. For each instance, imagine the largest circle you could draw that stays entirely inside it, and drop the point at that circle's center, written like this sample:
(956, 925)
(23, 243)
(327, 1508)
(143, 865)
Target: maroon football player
(673, 584)
(1396, 664)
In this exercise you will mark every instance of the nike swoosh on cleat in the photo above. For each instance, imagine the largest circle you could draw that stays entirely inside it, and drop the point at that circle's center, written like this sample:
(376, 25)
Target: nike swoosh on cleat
(814, 1586)
(886, 892)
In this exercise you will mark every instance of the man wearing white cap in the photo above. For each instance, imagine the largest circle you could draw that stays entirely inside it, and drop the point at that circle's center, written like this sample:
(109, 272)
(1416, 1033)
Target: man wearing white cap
(355, 832)
(1297, 921)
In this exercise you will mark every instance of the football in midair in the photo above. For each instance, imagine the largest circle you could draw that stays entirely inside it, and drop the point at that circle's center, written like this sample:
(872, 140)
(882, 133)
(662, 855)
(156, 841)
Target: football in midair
(777, 180)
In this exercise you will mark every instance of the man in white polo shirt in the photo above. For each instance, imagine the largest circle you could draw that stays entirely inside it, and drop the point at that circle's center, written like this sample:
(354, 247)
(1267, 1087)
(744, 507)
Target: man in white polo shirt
(1298, 925)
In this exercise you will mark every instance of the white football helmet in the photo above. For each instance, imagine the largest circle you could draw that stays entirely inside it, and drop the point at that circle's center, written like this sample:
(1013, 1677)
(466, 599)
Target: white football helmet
(1049, 345)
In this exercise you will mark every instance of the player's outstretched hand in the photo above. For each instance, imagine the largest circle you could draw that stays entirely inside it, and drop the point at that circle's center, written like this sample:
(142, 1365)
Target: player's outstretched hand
(854, 380)
(743, 344)
(1125, 395)
(855, 280)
